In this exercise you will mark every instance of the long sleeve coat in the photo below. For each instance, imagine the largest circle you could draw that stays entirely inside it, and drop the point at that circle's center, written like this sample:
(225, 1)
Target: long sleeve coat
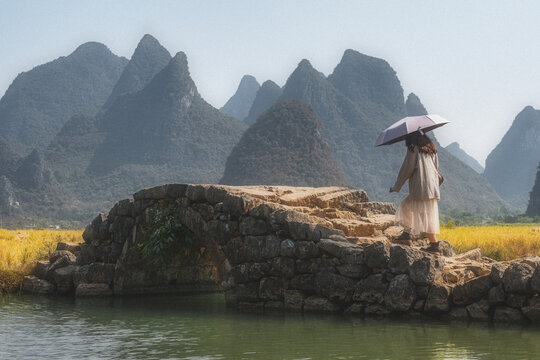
(422, 172)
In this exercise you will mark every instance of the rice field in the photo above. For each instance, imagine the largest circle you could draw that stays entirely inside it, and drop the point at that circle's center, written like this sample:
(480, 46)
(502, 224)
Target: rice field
(19, 248)
(502, 242)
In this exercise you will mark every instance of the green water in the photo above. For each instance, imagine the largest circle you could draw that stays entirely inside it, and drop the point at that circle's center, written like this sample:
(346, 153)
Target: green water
(200, 327)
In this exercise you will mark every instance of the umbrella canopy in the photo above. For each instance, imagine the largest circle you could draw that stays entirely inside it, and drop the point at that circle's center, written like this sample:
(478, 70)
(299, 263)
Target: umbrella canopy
(399, 130)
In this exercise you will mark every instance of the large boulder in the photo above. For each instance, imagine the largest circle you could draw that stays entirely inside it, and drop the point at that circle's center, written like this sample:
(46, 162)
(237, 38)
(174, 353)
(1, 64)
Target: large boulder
(401, 294)
(472, 291)
(517, 278)
(33, 284)
(438, 299)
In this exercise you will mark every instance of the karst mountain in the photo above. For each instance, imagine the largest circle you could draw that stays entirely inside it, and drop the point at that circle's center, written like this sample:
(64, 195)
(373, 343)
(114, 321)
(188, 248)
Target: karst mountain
(511, 166)
(284, 147)
(467, 159)
(148, 125)
(533, 208)
(239, 104)
(40, 101)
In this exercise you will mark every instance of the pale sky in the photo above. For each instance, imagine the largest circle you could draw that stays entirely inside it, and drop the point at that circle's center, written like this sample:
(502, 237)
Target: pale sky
(477, 63)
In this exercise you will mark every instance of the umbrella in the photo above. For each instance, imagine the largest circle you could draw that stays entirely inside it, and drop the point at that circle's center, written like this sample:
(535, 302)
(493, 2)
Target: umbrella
(399, 130)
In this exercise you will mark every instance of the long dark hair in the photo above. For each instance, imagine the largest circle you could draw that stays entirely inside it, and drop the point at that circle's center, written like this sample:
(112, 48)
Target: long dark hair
(424, 143)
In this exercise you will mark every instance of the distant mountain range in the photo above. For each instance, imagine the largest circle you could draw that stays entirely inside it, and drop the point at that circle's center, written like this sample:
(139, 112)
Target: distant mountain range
(467, 159)
(511, 166)
(149, 125)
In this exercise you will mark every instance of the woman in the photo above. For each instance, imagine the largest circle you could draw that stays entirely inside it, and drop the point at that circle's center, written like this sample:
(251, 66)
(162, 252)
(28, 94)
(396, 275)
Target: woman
(418, 213)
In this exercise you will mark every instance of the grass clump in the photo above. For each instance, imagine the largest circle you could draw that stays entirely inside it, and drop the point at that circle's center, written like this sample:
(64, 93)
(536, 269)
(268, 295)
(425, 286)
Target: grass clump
(20, 248)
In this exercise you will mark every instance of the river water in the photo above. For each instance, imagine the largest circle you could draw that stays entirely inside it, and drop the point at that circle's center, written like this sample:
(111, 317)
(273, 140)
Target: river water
(201, 327)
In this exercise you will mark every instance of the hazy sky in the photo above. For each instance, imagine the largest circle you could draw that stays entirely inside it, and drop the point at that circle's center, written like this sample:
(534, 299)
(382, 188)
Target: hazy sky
(477, 63)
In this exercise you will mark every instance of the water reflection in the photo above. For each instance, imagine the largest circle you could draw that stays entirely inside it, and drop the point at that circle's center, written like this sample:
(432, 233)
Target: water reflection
(200, 327)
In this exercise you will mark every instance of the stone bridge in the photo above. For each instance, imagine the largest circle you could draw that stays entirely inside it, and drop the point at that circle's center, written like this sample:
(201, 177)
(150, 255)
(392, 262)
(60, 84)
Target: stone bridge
(289, 248)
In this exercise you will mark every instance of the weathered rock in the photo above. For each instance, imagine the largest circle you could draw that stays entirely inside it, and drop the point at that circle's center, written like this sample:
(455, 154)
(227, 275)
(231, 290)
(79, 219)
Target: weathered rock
(222, 231)
(532, 310)
(337, 248)
(40, 269)
(445, 248)
(479, 310)
(474, 254)
(196, 193)
(87, 255)
(425, 270)
(97, 230)
(155, 193)
(286, 248)
(215, 194)
(535, 280)
(472, 291)
(100, 273)
(91, 290)
(71, 247)
(293, 299)
(59, 263)
(271, 247)
(402, 258)
(355, 271)
(33, 284)
(496, 295)
(311, 266)
(377, 255)
(252, 248)
(252, 226)
(532, 261)
(517, 278)
(304, 282)
(438, 299)
(320, 304)
(282, 266)
(354, 309)
(306, 249)
(516, 301)
(508, 315)
(334, 287)
(401, 294)
(274, 306)
(80, 275)
(271, 288)
(497, 272)
(60, 253)
(371, 289)
(63, 278)
(239, 205)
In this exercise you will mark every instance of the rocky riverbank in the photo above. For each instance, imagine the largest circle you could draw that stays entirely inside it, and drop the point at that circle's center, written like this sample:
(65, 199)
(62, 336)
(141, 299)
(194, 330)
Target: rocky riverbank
(290, 248)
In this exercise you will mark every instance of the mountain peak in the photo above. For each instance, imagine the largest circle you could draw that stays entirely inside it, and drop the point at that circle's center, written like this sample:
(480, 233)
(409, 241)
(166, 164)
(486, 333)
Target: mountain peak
(413, 106)
(91, 49)
(239, 104)
(361, 77)
(266, 97)
(147, 60)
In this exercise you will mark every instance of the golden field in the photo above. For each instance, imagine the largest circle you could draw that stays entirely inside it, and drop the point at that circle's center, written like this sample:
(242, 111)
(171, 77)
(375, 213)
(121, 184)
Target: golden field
(503, 242)
(19, 248)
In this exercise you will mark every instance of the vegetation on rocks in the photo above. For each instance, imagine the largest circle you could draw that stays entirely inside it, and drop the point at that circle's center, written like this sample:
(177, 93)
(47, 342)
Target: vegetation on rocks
(19, 249)
(166, 238)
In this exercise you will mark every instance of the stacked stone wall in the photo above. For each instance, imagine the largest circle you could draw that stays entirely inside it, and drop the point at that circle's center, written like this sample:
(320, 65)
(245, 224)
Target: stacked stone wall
(291, 249)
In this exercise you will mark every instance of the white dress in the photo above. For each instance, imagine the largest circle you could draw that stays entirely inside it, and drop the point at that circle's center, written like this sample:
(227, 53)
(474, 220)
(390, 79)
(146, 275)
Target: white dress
(419, 216)
(419, 212)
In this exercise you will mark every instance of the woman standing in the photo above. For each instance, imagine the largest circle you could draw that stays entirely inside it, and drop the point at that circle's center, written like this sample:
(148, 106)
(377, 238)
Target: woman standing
(418, 213)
